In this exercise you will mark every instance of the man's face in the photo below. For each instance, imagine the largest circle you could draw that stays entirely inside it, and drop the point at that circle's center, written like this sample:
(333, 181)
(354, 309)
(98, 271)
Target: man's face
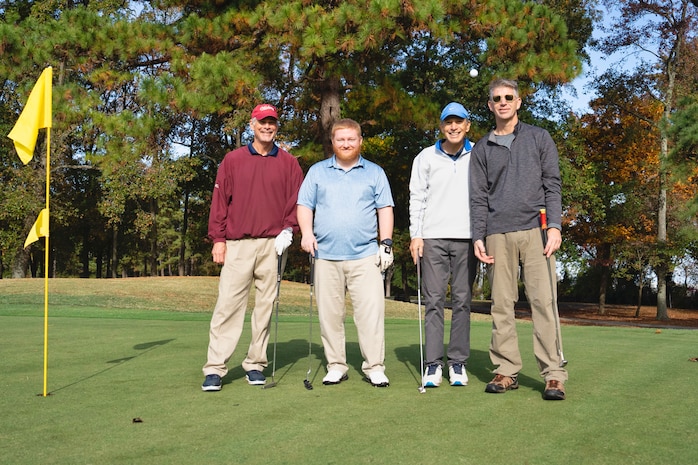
(265, 130)
(504, 103)
(346, 144)
(455, 129)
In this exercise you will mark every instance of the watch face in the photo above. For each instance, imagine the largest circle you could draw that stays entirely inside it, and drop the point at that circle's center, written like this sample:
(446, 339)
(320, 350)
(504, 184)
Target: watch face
(387, 242)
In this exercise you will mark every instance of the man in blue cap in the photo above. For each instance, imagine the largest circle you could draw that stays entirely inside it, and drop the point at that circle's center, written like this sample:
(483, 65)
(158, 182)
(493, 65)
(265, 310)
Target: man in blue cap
(441, 239)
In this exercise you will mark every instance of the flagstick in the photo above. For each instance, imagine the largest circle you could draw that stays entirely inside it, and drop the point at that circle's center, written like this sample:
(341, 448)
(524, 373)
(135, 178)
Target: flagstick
(46, 257)
(38, 113)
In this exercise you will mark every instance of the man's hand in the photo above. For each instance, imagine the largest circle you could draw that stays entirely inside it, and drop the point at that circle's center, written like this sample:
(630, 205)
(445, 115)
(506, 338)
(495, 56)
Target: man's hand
(384, 257)
(481, 252)
(283, 240)
(416, 249)
(309, 244)
(554, 241)
(218, 252)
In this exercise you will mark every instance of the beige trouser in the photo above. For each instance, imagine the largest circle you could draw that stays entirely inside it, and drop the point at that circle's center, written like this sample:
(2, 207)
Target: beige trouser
(508, 250)
(362, 279)
(246, 261)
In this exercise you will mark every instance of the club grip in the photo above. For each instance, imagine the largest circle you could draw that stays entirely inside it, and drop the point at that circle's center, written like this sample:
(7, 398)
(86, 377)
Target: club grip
(312, 268)
(543, 219)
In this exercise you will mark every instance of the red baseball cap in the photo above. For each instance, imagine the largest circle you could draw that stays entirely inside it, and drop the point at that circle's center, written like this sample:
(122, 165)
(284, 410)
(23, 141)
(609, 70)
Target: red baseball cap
(264, 111)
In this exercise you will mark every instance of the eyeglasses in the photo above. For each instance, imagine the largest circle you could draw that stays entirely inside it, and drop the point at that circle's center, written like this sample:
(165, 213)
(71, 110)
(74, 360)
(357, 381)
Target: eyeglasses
(507, 97)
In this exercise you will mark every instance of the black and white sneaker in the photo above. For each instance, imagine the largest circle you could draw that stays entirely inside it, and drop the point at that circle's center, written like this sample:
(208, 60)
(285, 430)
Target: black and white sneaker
(378, 379)
(212, 383)
(255, 377)
(334, 377)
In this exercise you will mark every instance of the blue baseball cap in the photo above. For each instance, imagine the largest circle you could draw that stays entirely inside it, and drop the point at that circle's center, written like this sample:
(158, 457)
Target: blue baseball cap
(454, 109)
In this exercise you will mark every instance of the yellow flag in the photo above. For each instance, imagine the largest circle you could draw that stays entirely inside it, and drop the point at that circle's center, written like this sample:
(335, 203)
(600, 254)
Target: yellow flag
(36, 115)
(39, 229)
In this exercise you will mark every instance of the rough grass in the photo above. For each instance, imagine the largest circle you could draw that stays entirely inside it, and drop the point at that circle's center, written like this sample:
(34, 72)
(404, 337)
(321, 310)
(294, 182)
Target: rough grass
(166, 294)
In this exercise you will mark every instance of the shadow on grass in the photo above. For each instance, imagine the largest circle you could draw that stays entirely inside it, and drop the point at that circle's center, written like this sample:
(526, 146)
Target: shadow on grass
(294, 352)
(144, 347)
(297, 351)
(478, 366)
(287, 355)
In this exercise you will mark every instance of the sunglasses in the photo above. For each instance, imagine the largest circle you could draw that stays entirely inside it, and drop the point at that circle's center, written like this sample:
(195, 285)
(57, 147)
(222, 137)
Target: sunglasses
(507, 97)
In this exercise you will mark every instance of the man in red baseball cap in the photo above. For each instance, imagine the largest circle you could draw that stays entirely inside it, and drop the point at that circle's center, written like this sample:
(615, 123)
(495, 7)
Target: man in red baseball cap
(251, 224)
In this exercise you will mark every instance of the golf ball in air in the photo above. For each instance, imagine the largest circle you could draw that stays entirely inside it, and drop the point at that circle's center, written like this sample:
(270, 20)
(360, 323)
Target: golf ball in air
(473, 72)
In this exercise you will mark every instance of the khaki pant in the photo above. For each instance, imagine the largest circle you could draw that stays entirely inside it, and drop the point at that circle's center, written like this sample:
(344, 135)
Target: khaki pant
(247, 261)
(362, 279)
(508, 250)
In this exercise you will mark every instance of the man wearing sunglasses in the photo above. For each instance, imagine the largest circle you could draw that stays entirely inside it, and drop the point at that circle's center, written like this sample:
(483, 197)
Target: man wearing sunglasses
(514, 173)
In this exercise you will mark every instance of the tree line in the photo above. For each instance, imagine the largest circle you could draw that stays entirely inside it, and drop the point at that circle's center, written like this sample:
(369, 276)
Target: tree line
(149, 96)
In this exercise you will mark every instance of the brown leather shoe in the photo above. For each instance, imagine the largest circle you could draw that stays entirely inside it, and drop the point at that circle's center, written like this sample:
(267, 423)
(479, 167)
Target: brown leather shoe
(554, 390)
(502, 383)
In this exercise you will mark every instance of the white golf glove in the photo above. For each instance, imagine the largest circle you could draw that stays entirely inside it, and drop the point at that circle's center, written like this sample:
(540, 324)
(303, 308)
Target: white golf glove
(384, 257)
(283, 240)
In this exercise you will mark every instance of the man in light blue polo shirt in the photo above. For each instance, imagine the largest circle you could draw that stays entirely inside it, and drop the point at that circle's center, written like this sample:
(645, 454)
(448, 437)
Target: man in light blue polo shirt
(345, 207)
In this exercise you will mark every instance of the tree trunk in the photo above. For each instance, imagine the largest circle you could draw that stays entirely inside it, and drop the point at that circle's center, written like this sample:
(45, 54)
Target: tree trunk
(661, 269)
(639, 297)
(99, 263)
(114, 255)
(20, 265)
(603, 259)
(84, 253)
(603, 288)
(183, 236)
(154, 239)
(662, 313)
(405, 287)
(329, 111)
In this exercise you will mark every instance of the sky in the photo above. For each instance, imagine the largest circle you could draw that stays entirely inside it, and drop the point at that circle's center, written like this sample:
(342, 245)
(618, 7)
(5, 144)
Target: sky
(599, 63)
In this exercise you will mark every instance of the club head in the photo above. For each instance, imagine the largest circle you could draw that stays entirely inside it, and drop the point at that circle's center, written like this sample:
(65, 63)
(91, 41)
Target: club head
(422, 389)
(307, 385)
(269, 386)
(563, 363)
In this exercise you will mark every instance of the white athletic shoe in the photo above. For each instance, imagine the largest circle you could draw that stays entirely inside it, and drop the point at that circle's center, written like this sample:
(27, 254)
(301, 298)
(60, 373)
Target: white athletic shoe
(378, 379)
(432, 375)
(334, 377)
(457, 375)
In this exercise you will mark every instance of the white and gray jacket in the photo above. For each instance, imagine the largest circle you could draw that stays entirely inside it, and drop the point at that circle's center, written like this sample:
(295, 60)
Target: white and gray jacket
(439, 194)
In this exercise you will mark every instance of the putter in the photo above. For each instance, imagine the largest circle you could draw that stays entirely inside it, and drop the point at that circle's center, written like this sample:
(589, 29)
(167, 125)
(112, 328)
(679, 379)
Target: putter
(306, 381)
(276, 324)
(421, 388)
(558, 332)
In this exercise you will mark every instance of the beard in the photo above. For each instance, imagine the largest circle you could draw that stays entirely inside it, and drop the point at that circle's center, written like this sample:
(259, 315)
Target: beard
(347, 155)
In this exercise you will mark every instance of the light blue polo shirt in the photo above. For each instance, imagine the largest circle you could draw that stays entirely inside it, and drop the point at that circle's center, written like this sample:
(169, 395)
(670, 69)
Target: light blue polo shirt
(344, 204)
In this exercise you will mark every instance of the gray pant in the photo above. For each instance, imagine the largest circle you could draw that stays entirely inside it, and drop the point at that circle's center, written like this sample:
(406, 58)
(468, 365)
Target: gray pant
(444, 259)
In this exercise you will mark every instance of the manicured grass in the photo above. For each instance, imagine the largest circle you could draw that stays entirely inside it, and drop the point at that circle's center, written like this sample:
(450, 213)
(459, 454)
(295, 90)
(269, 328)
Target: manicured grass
(114, 356)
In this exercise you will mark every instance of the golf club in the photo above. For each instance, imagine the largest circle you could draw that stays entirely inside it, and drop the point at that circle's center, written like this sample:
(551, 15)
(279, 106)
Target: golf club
(558, 333)
(421, 388)
(306, 381)
(276, 323)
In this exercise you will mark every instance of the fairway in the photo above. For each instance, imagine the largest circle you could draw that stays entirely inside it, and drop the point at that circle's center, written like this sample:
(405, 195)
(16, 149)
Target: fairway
(631, 398)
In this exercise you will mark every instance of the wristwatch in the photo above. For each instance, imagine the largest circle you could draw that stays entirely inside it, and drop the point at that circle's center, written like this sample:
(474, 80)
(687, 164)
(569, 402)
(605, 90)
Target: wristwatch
(388, 243)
